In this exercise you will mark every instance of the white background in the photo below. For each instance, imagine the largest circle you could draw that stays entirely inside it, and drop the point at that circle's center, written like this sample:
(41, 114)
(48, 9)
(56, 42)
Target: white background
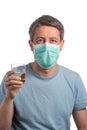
(15, 19)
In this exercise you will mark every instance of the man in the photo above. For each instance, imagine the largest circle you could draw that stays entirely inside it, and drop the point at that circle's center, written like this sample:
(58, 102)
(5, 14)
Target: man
(51, 92)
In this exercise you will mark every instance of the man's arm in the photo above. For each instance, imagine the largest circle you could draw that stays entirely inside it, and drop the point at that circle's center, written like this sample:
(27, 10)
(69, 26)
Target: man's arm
(12, 85)
(80, 118)
(6, 114)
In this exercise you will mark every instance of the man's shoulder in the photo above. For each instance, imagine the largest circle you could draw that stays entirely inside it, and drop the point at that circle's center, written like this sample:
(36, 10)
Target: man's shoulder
(68, 72)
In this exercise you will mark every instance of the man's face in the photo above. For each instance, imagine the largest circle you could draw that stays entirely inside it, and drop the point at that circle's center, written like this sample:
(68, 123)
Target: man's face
(46, 34)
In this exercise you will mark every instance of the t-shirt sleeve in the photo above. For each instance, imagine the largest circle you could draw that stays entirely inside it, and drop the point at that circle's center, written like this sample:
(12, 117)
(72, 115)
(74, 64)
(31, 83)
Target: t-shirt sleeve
(81, 94)
(2, 90)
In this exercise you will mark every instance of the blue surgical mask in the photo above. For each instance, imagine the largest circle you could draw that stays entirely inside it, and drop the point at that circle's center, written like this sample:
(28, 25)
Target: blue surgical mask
(46, 54)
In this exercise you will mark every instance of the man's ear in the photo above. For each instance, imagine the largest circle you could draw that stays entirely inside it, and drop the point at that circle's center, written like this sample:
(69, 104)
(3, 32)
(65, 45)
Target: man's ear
(61, 45)
(31, 44)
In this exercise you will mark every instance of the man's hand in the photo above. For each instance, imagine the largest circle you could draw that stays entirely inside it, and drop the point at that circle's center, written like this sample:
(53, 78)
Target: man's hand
(13, 84)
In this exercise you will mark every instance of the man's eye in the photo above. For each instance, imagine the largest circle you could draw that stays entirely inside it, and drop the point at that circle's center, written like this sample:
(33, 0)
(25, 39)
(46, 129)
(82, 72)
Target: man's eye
(53, 41)
(39, 41)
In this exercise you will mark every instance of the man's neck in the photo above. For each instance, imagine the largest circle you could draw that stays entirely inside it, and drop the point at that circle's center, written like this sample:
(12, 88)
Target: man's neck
(43, 72)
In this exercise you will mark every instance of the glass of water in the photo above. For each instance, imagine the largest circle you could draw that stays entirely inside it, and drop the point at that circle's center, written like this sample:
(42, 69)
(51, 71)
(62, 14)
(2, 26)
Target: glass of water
(20, 70)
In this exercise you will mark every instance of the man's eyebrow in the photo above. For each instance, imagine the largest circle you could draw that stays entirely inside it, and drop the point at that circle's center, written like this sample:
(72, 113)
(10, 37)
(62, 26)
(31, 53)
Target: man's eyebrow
(53, 38)
(39, 38)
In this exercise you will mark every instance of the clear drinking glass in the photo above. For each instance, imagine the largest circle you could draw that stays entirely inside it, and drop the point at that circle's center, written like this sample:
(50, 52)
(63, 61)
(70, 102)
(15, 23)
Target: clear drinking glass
(20, 70)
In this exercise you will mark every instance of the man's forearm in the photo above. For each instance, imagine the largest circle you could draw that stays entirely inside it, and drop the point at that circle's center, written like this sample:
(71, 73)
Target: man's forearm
(83, 128)
(6, 114)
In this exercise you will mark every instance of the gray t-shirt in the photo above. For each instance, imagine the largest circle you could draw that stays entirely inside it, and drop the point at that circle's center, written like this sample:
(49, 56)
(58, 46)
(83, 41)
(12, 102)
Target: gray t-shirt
(47, 103)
